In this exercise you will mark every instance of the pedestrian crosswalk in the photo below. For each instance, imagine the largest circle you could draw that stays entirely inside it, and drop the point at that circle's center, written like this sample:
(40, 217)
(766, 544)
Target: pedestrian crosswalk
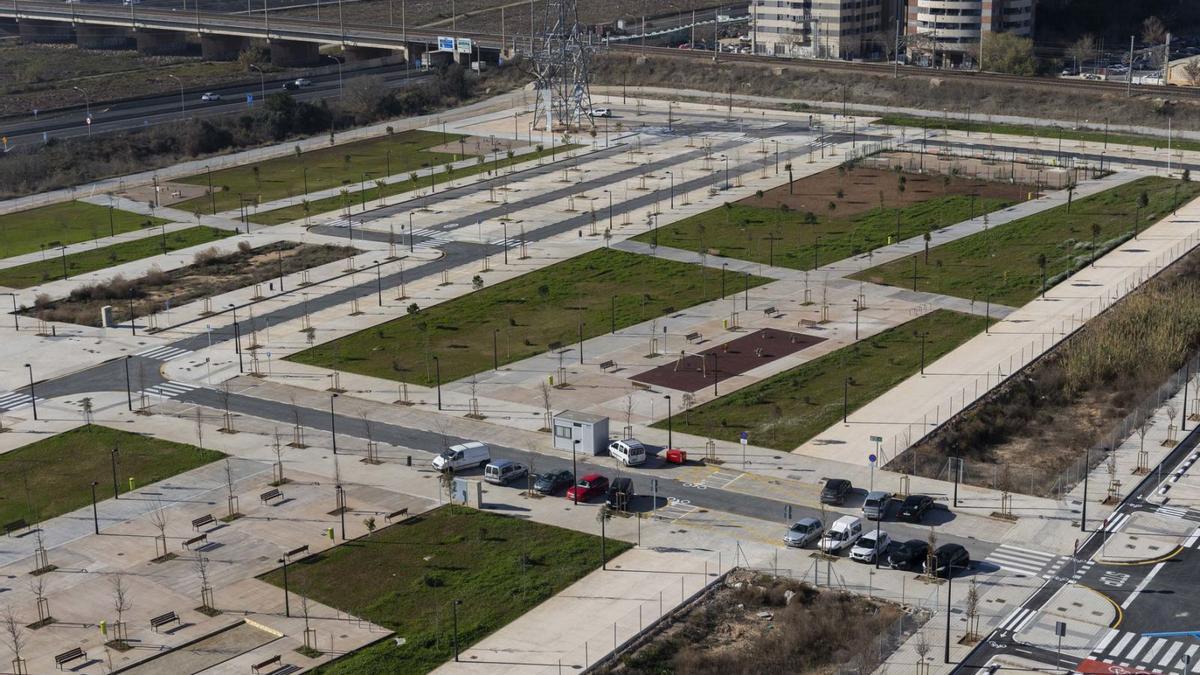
(1147, 652)
(1115, 522)
(1017, 620)
(1181, 512)
(164, 353)
(1027, 562)
(170, 389)
(16, 400)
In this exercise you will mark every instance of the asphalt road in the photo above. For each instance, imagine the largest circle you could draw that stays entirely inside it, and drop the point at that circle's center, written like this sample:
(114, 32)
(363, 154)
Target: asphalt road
(166, 108)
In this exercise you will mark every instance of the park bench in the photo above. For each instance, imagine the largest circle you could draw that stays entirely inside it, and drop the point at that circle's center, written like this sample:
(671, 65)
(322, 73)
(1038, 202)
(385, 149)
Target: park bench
(163, 619)
(554, 346)
(605, 365)
(396, 514)
(273, 493)
(15, 525)
(201, 538)
(770, 311)
(808, 323)
(206, 519)
(274, 660)
(641, 385)
(68, 656)
(694, 337)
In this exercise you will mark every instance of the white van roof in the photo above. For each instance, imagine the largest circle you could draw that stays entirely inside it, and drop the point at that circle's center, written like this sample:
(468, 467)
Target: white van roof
(468, 445)
(845, 521)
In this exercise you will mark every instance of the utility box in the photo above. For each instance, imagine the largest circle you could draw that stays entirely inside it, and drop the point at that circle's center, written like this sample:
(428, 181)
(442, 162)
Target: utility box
(106, 316)
(590, 430)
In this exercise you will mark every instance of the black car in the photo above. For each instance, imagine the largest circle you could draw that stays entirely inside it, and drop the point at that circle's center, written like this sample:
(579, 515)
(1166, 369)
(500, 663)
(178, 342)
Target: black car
(947, 559)
(915, 507)
(835, 491)
(552, 481)
(909, 555)
(620, 494)
(290, 86)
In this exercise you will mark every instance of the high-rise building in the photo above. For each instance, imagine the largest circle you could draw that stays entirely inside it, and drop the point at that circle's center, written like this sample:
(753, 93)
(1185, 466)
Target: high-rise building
(834, 29)
(948, 32)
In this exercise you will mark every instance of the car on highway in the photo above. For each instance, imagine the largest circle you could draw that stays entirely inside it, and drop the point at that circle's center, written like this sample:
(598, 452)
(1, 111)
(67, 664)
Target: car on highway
(591, 485)
(914, 508)
(870, 546)
(909, 555)
(803, 532)
(601, 112)
(875, 506)
(210, 96)
(303, 82)
(290, 86)
(842, 534)
(946, 559)
(835, 491)
(552, 481)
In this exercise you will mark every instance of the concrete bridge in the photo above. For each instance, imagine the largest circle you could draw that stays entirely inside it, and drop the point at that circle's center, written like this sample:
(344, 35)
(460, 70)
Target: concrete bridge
(293, 42)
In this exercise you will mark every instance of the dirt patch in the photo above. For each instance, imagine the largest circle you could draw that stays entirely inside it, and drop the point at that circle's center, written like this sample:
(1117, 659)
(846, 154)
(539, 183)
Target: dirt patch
(762, 624)
(479, 146)
(865, 188)
(1027, 174)
(168, 193)
(694, 371)
(211, 273)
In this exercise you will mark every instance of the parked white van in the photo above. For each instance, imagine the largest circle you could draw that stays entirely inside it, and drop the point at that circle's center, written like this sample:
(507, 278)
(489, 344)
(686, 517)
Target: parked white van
(629, 452)
(842, 534)
(465, 456)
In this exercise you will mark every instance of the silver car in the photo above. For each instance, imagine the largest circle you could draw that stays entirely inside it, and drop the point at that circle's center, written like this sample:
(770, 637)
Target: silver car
(803, 532)
(875, 506)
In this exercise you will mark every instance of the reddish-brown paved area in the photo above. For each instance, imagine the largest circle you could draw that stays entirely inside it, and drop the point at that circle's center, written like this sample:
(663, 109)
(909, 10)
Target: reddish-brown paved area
(695, 370)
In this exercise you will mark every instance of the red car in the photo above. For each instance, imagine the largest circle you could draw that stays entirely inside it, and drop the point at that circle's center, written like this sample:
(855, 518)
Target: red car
(591, 485)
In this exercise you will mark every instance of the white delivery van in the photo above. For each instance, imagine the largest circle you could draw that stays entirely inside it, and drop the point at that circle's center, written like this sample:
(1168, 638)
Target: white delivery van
(842, 534)
(465, 456)
(629, 452)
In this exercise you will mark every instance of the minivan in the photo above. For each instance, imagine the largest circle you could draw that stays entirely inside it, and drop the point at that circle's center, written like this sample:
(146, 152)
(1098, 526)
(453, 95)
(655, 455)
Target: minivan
(620, 494)
(629, 452)
(465, 456)
(503, 472)
(842, 534)
(875, 506)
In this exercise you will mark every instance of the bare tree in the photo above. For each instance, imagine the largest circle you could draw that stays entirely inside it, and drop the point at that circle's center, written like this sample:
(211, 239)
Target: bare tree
(1171, 413)
(199, 429)
(1143, 428)
(922, 648)
(200, 566)
(122, 602)
(1191, 69)
(629, 414)
(14, 638)
(277, 448)
(232, 498)
(446, 483)
(972, 611)
(1082, 50)
(160, 520)
(547, 390)
(37, 586)
(85, 406)
(689, 400)
(297, 428)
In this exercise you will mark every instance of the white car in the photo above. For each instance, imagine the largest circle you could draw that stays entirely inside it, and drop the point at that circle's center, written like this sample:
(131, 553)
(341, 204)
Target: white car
(303, 82)
(867, 548)
(601, 112)
(210, 96)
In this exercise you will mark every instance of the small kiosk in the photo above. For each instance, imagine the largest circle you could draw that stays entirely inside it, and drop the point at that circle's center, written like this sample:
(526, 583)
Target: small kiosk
(590, 430)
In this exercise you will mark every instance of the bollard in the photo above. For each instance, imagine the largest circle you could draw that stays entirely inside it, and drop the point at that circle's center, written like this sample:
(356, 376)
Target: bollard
(409, 461)
(329, 533)
(131, 484)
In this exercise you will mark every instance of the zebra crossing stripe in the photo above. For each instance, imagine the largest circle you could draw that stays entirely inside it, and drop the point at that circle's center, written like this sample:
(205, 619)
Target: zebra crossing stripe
(1116, 522)
(164, 353)
(170, 389)
(16, 400)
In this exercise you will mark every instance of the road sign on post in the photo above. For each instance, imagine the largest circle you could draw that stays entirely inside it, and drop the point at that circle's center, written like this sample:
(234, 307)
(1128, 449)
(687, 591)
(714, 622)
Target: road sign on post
(464, 45)
(871, 458)
(744, 439)
(445, 44)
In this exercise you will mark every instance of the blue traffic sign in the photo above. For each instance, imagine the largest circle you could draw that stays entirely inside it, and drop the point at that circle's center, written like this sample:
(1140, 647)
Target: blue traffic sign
(745, 436)
(872, 458)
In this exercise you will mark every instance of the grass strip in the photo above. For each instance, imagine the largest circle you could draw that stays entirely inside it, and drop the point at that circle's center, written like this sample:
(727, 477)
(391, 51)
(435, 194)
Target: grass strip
(64, 223)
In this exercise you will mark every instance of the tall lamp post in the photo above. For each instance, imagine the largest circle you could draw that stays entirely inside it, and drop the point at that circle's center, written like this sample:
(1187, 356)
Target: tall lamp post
(670, 444)
(437, 369)
(287, 608)
(32, 395)
(262, 81)
(182, 106)
(95, 516)
(856, 319)
(333, 422)
(455, 605)
(574, 472)
(87, 104)
(339, 65)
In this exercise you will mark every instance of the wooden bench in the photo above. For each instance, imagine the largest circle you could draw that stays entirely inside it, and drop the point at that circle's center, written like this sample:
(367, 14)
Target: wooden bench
(605, 365)
(640, 385)
(693, 337)
(808, 323)
(201, 538)
(274, 660)
(554, 346)
(15, 525)
(163, 619)
(396, 514)
(68, 656)
(770, 311)
(206, 519)
(273, 493)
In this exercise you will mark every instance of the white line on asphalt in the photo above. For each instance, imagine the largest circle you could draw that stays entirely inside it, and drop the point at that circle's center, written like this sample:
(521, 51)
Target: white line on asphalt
(1021, 626)
(1116, 651)
(1136, 649)
(1107, 639)
(1016, 615)
(1166, 659)
(1141, 586)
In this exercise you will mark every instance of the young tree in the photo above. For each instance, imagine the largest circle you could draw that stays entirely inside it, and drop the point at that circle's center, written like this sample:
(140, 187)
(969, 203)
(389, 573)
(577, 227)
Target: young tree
(200, 566)
(972, 611)
(1082, 50)
(14, 638)
(37, 586)
(122, 602)
(1009, 53)
(547, 390)
(1191, 70)
(231, 499)
(160, 520)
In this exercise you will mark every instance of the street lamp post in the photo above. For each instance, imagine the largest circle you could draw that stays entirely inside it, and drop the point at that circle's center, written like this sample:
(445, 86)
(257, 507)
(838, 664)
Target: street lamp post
(855, 318)
(672, 177)
(112, 456)
(87, 104)
(182, 107)
(437, 369)
(287, 608)
(32, 395)
(410, 232)
(262, 81)
(333, 422)
(495, 351)
(923, 335)
(95, 515)
(670, 443)
(378, 284)
(574, 472)
(339, 65)
(455, 605)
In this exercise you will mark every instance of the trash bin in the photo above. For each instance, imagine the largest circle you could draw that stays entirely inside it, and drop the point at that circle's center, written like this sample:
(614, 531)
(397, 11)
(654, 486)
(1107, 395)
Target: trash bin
(677, 456)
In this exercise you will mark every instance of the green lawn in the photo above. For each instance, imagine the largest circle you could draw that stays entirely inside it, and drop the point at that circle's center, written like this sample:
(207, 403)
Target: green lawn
(789, 409)
(356, 196)
(983, 127)
(54, 476)
(1003, 262)
(64, 223)
(406, 576)
(746, 232)
(530, 312)
(35, 273)
(327, 168)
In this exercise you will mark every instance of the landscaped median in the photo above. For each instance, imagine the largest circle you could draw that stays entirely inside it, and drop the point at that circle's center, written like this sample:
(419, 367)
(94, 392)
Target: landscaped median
(54, 476)
(65, 223)
(523, 316)
(787, 410)
(32, 274)
(833, 215)
(408, 576)
(1005, 263)
(1051, 132)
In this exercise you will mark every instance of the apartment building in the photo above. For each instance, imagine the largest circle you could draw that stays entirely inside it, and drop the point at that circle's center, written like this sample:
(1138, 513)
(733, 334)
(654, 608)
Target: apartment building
(948, 32)
(833, 29)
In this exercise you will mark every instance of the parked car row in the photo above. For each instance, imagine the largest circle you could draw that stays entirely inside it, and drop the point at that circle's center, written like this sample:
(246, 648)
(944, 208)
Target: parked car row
(877, 502)
(847, 534)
